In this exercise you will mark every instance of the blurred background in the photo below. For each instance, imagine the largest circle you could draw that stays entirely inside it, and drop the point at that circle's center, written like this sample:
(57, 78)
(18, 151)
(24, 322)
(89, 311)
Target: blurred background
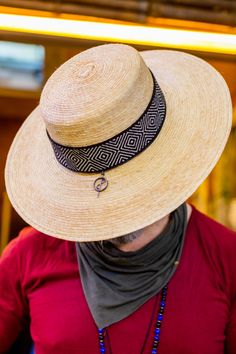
(37, 36)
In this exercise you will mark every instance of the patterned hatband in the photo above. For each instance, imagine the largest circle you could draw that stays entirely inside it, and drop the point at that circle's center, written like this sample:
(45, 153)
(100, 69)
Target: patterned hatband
(122, 147)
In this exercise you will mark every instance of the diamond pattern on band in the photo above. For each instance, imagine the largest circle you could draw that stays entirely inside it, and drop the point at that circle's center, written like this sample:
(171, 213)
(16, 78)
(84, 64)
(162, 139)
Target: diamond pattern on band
(122, 147)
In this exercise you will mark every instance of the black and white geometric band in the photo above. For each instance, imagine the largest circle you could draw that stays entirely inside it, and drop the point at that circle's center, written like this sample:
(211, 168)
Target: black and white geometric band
(122, 147)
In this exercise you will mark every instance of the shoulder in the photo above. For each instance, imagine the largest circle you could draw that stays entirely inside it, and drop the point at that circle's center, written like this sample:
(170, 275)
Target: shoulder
(211, 230)
(33, 256)
(28, 243)
(216, 244)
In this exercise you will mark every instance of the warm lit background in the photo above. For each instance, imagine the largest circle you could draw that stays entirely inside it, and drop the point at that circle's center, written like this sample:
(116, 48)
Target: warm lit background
(37, 36)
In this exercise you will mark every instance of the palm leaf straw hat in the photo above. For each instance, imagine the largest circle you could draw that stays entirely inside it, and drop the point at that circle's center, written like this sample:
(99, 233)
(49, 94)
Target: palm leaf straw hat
(120, 139)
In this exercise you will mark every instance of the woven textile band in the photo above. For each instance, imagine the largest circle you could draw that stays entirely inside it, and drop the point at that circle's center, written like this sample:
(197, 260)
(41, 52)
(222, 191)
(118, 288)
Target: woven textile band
(122, 147)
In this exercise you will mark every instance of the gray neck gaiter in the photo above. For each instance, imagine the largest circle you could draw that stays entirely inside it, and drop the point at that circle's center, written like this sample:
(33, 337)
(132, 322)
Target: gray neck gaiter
(117, 283)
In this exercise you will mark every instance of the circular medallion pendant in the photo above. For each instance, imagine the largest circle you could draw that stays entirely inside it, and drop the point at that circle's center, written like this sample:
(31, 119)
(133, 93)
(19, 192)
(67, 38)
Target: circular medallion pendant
(100, 184)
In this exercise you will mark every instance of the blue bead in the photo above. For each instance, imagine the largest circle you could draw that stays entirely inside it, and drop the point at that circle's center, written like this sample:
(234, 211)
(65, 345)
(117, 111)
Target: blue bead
(101, 331)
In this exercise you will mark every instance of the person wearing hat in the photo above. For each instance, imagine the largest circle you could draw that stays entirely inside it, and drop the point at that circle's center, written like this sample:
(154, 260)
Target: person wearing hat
(120, 140)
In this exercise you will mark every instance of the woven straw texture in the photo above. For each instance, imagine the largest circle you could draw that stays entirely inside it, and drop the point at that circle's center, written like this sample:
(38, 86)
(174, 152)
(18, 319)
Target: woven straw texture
(94, 96)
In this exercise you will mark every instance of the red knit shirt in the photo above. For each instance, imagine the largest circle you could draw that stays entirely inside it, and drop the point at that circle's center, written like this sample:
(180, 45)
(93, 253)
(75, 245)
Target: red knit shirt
(39, 279)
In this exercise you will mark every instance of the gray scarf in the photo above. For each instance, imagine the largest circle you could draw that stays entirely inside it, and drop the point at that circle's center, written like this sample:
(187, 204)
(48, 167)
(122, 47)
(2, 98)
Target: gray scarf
(117, 283)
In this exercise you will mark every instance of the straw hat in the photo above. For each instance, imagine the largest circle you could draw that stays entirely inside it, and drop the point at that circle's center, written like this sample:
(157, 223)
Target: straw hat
(119, 140)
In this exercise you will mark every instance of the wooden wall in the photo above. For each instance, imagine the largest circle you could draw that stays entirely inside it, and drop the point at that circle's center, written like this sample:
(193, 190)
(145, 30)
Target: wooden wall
(210, 11)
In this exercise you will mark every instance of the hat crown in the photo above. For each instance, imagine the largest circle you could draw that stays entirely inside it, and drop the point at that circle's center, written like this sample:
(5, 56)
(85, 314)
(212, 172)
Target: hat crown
(96, 95)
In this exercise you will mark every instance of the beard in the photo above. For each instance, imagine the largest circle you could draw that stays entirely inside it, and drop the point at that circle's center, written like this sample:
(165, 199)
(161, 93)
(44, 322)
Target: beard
(124, 239)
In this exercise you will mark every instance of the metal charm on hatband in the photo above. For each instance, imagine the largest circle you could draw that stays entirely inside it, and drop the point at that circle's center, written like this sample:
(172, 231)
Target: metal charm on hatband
(100, 184)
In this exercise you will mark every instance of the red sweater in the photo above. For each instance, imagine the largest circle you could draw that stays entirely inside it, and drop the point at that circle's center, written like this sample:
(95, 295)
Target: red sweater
(39, 278)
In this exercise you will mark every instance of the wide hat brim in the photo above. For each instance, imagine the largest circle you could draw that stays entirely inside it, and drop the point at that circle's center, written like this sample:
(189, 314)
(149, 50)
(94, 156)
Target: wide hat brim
(64, 204)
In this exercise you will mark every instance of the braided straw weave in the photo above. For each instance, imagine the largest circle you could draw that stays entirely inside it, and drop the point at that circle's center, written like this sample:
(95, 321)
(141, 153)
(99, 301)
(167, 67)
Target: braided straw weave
(91, 98)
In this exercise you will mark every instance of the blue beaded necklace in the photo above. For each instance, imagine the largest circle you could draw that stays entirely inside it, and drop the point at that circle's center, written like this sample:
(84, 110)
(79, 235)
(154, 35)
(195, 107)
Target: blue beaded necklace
(157, 331)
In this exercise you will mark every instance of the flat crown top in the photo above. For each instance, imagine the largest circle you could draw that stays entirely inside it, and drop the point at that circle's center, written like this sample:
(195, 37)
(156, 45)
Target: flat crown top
(96, 95)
